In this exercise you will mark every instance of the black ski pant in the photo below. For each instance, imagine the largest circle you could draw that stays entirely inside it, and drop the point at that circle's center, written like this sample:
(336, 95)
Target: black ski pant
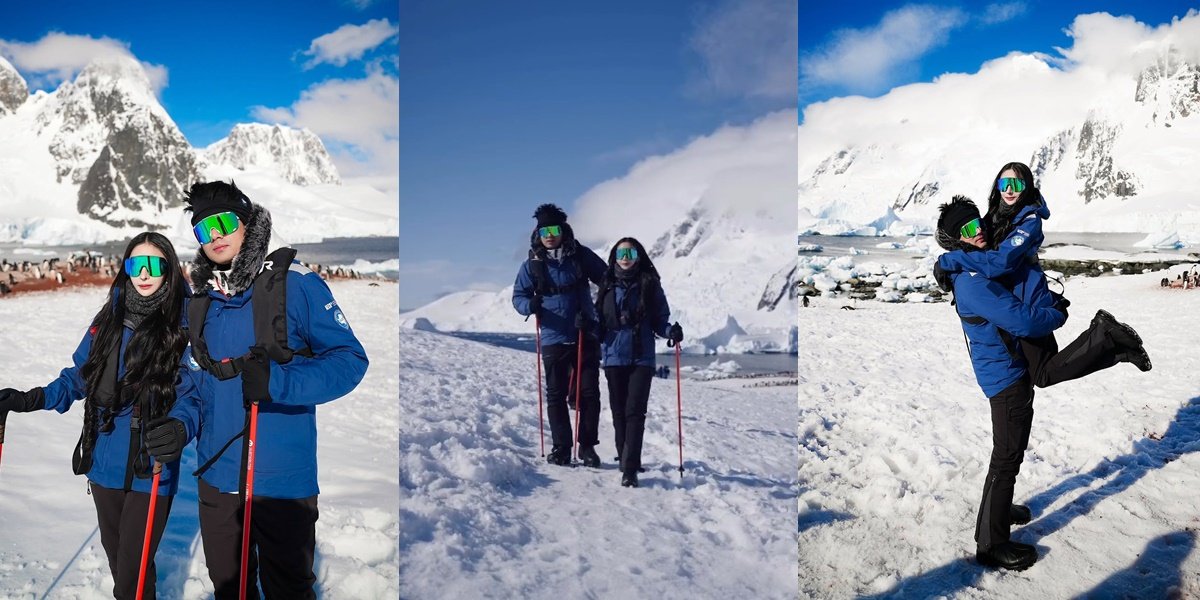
(559, 361)
(628, 394)
(1092, 351)
(121, 517)
(1012, 418)
(282, 542)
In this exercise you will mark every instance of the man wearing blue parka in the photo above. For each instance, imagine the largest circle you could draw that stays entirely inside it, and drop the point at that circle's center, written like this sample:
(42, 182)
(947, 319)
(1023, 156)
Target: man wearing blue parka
(329, 362)
(992, 316)
(553, 285)
(1013, 234)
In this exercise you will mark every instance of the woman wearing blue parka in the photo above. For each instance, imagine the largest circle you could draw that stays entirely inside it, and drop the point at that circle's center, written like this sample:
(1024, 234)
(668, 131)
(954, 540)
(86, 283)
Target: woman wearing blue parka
(127, 367)
(1013, 231)
(632, 309)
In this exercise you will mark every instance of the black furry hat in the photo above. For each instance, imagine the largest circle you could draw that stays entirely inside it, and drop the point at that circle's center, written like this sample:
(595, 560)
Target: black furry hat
(205, 199)
(952, 216)
(549, 214)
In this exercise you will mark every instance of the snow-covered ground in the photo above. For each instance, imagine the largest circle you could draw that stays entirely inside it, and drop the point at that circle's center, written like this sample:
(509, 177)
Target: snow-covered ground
(895, 439)
(486, 517)
(49, 547)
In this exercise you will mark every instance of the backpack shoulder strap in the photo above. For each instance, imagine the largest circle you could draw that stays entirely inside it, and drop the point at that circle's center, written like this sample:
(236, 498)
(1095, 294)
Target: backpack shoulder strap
(270, 306)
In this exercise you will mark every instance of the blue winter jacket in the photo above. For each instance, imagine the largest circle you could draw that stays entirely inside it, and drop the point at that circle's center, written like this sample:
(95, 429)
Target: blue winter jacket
(559, 310)
(996, 364)
(110, 457)
(618, 346)
(286, 447)
(1014, 262)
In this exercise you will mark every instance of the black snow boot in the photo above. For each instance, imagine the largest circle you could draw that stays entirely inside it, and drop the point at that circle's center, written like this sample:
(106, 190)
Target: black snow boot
(1123, 335)
(1010, 555)
(629, 479)
(587, 454)
(1019, 514)
(1127, 340)
(559, 455)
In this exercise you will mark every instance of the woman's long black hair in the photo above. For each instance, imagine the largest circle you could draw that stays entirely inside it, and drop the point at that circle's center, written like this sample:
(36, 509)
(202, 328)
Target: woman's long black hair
(643, 264)
(153, 353)
(999, 222)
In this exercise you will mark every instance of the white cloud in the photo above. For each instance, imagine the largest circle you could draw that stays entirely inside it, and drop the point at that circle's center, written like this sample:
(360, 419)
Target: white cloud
(867, 60)
(58, 57)
(349, 42)
(1000, 13)
(358, 119)
(1123, 45)
(748, 49)
(747, 169)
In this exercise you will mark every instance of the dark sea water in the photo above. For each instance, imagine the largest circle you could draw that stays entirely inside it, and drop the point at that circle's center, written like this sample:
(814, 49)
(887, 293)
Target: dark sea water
(837, 245)
(749, 363)
(332, 251)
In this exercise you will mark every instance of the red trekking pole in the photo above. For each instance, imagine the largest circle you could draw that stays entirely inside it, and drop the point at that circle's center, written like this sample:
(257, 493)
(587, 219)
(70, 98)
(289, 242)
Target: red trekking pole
(141, 588)
(253, 433)
(679, 406)
(537, 322)
(3, 418)
(578, 387)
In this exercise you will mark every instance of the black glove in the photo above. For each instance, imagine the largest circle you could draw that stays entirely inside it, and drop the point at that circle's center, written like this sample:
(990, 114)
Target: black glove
(17, 401)
(675, 334)
(581, 323)
(165, 438)
(942, 278)
(1060, 303)
(256, 376)
(535, 305)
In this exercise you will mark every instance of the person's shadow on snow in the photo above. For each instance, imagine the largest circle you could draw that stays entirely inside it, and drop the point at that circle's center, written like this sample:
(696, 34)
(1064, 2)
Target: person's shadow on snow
(1157, 573)
(1148, 454)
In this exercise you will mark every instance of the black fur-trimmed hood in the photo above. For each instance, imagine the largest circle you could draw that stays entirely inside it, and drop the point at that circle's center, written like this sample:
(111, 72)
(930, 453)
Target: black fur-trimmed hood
(247, 263)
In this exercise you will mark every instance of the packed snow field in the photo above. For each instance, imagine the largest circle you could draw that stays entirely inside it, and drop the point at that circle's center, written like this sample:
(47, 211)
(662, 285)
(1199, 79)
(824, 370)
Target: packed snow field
(893, 455)
(486, 517)
(49, 546)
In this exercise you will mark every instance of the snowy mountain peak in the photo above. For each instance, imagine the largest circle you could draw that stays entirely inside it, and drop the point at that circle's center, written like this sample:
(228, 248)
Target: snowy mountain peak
(680, 240)
(13, 89)
(297, 155)
(1095, 170)
(108, 134)
(118, 74)
(1171, 86)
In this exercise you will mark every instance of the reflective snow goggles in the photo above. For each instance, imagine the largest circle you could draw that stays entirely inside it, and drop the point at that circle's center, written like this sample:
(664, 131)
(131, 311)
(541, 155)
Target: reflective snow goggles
(550, 231)
(626, 253)
(1016, 183)
(225, 223)
(971, 229)
(157, 265)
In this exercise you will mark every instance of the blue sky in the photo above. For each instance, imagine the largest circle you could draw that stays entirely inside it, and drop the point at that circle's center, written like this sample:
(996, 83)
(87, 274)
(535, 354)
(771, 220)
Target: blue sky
(868, 52)
(226, 62)
(506, 107)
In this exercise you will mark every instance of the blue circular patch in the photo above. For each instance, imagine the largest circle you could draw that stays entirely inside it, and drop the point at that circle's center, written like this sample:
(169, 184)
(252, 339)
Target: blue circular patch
(341, 319)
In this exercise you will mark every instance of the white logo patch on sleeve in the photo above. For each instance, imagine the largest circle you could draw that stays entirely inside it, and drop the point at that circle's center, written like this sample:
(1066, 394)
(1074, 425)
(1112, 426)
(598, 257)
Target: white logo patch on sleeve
(1018, 240)
(341, 319)
(192, 364)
